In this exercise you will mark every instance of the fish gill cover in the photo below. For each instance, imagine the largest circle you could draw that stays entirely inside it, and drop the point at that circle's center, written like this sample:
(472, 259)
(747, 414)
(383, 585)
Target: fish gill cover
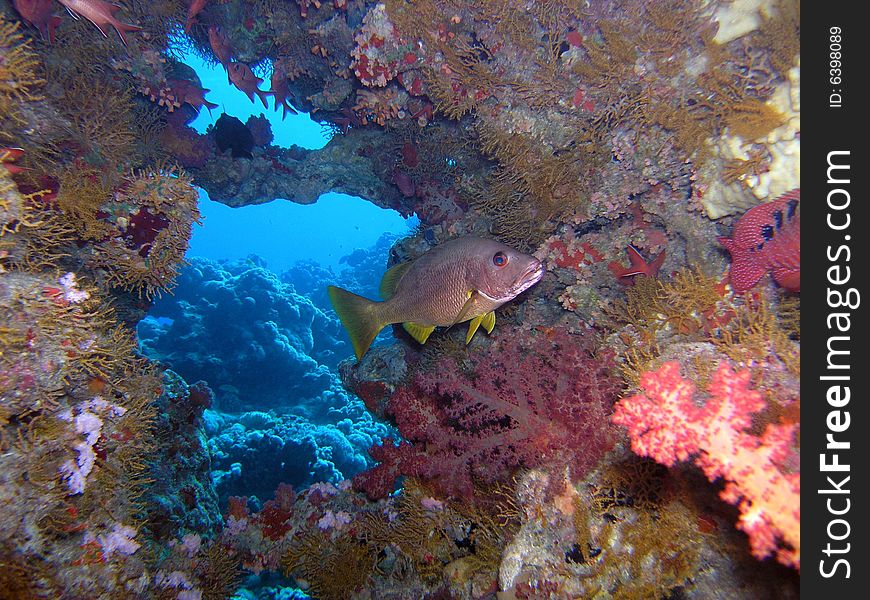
(583, 133)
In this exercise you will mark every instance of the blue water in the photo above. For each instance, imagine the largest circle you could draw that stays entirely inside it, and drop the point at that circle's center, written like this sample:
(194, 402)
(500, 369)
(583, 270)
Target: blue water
(282, 232)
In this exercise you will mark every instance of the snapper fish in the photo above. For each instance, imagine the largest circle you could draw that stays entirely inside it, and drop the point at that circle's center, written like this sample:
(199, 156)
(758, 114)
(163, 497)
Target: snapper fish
(767, 238)
(464, 279)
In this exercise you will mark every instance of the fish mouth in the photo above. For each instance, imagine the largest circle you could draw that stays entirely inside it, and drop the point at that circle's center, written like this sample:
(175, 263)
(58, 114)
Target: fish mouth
(530, 277)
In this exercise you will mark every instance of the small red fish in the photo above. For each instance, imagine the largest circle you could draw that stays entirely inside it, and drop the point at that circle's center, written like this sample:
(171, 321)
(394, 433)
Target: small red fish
(38, 13)
(767, 238)
(638, 266)
(194, 9)
(281, 90)
(187, 92)
(243, 78)
(220, 45)
(101, 14)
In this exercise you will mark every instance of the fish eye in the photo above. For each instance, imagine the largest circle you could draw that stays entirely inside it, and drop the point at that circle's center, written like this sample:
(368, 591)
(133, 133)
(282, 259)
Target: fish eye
(500, 259)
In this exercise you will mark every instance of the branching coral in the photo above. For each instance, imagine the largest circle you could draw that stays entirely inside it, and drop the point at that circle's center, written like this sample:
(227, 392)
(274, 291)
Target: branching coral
(694, 308)
(333, 569)
(639, 552)
(537, 401)
(19, 71)
(82, 191)
(667, 425)
(100, 121)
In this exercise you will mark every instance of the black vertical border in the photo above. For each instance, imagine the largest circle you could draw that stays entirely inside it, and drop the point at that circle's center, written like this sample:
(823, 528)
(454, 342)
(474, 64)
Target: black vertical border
(826, 128)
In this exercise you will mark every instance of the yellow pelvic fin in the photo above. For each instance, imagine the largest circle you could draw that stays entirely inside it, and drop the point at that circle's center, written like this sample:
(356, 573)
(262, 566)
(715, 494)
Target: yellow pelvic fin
(391, 279)
(463, 312)
(419, 332)
(359, 317)
(488, 322)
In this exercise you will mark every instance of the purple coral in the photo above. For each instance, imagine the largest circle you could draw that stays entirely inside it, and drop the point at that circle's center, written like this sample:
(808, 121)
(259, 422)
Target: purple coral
(531, 400)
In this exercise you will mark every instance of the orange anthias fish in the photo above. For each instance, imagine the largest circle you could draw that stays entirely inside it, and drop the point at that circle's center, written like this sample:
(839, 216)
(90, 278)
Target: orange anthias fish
(767, 238)
(464, 279)
(243, 78)
(101, 14)
(38, 13)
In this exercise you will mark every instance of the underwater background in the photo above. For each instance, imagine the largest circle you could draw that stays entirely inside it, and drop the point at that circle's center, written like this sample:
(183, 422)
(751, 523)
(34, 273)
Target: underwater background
(185, 409)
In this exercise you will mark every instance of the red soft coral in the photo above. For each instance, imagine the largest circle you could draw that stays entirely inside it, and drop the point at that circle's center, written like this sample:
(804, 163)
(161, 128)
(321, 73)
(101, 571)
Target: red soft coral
(667, 425)
(532, 399)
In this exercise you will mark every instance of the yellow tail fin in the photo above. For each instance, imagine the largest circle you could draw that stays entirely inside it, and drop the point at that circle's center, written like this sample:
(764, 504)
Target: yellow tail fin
(359, 317)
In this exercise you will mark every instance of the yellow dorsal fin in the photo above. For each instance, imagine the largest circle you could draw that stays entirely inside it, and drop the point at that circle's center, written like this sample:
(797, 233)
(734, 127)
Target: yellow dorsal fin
(419, 332)
(472, 328)
(488, 321)
(391, 279)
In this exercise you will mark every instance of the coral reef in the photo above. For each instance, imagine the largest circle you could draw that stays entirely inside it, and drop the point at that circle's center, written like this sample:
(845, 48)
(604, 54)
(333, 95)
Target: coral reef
(238, 325)
(667, 425)
(182, 499)
(571, 130)
(76, 434)
(256, 451)
(348, 164)
(529, 402)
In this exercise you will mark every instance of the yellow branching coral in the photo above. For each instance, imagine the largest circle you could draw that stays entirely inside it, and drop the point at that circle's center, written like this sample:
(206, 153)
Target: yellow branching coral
(755, 333)
(654, 310)
(16, 210)
(532, 187)
(695, 308)
(789, 315)
(643, 549)
(101, 120)
(636, 482)
(82, 191)
(219, 574)
(333, 569)
(779, 34)
(19, 69)
(512, 215)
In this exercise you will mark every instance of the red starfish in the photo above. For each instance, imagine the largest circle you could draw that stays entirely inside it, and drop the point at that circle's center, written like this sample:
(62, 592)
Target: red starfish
(638, 266)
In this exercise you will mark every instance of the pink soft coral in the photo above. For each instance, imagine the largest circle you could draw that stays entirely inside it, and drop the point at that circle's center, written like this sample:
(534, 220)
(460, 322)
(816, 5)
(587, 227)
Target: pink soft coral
(668, 426)
(532, 399)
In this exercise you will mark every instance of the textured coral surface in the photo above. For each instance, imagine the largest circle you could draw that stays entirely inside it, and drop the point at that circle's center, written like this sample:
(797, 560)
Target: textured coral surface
(636, 148)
